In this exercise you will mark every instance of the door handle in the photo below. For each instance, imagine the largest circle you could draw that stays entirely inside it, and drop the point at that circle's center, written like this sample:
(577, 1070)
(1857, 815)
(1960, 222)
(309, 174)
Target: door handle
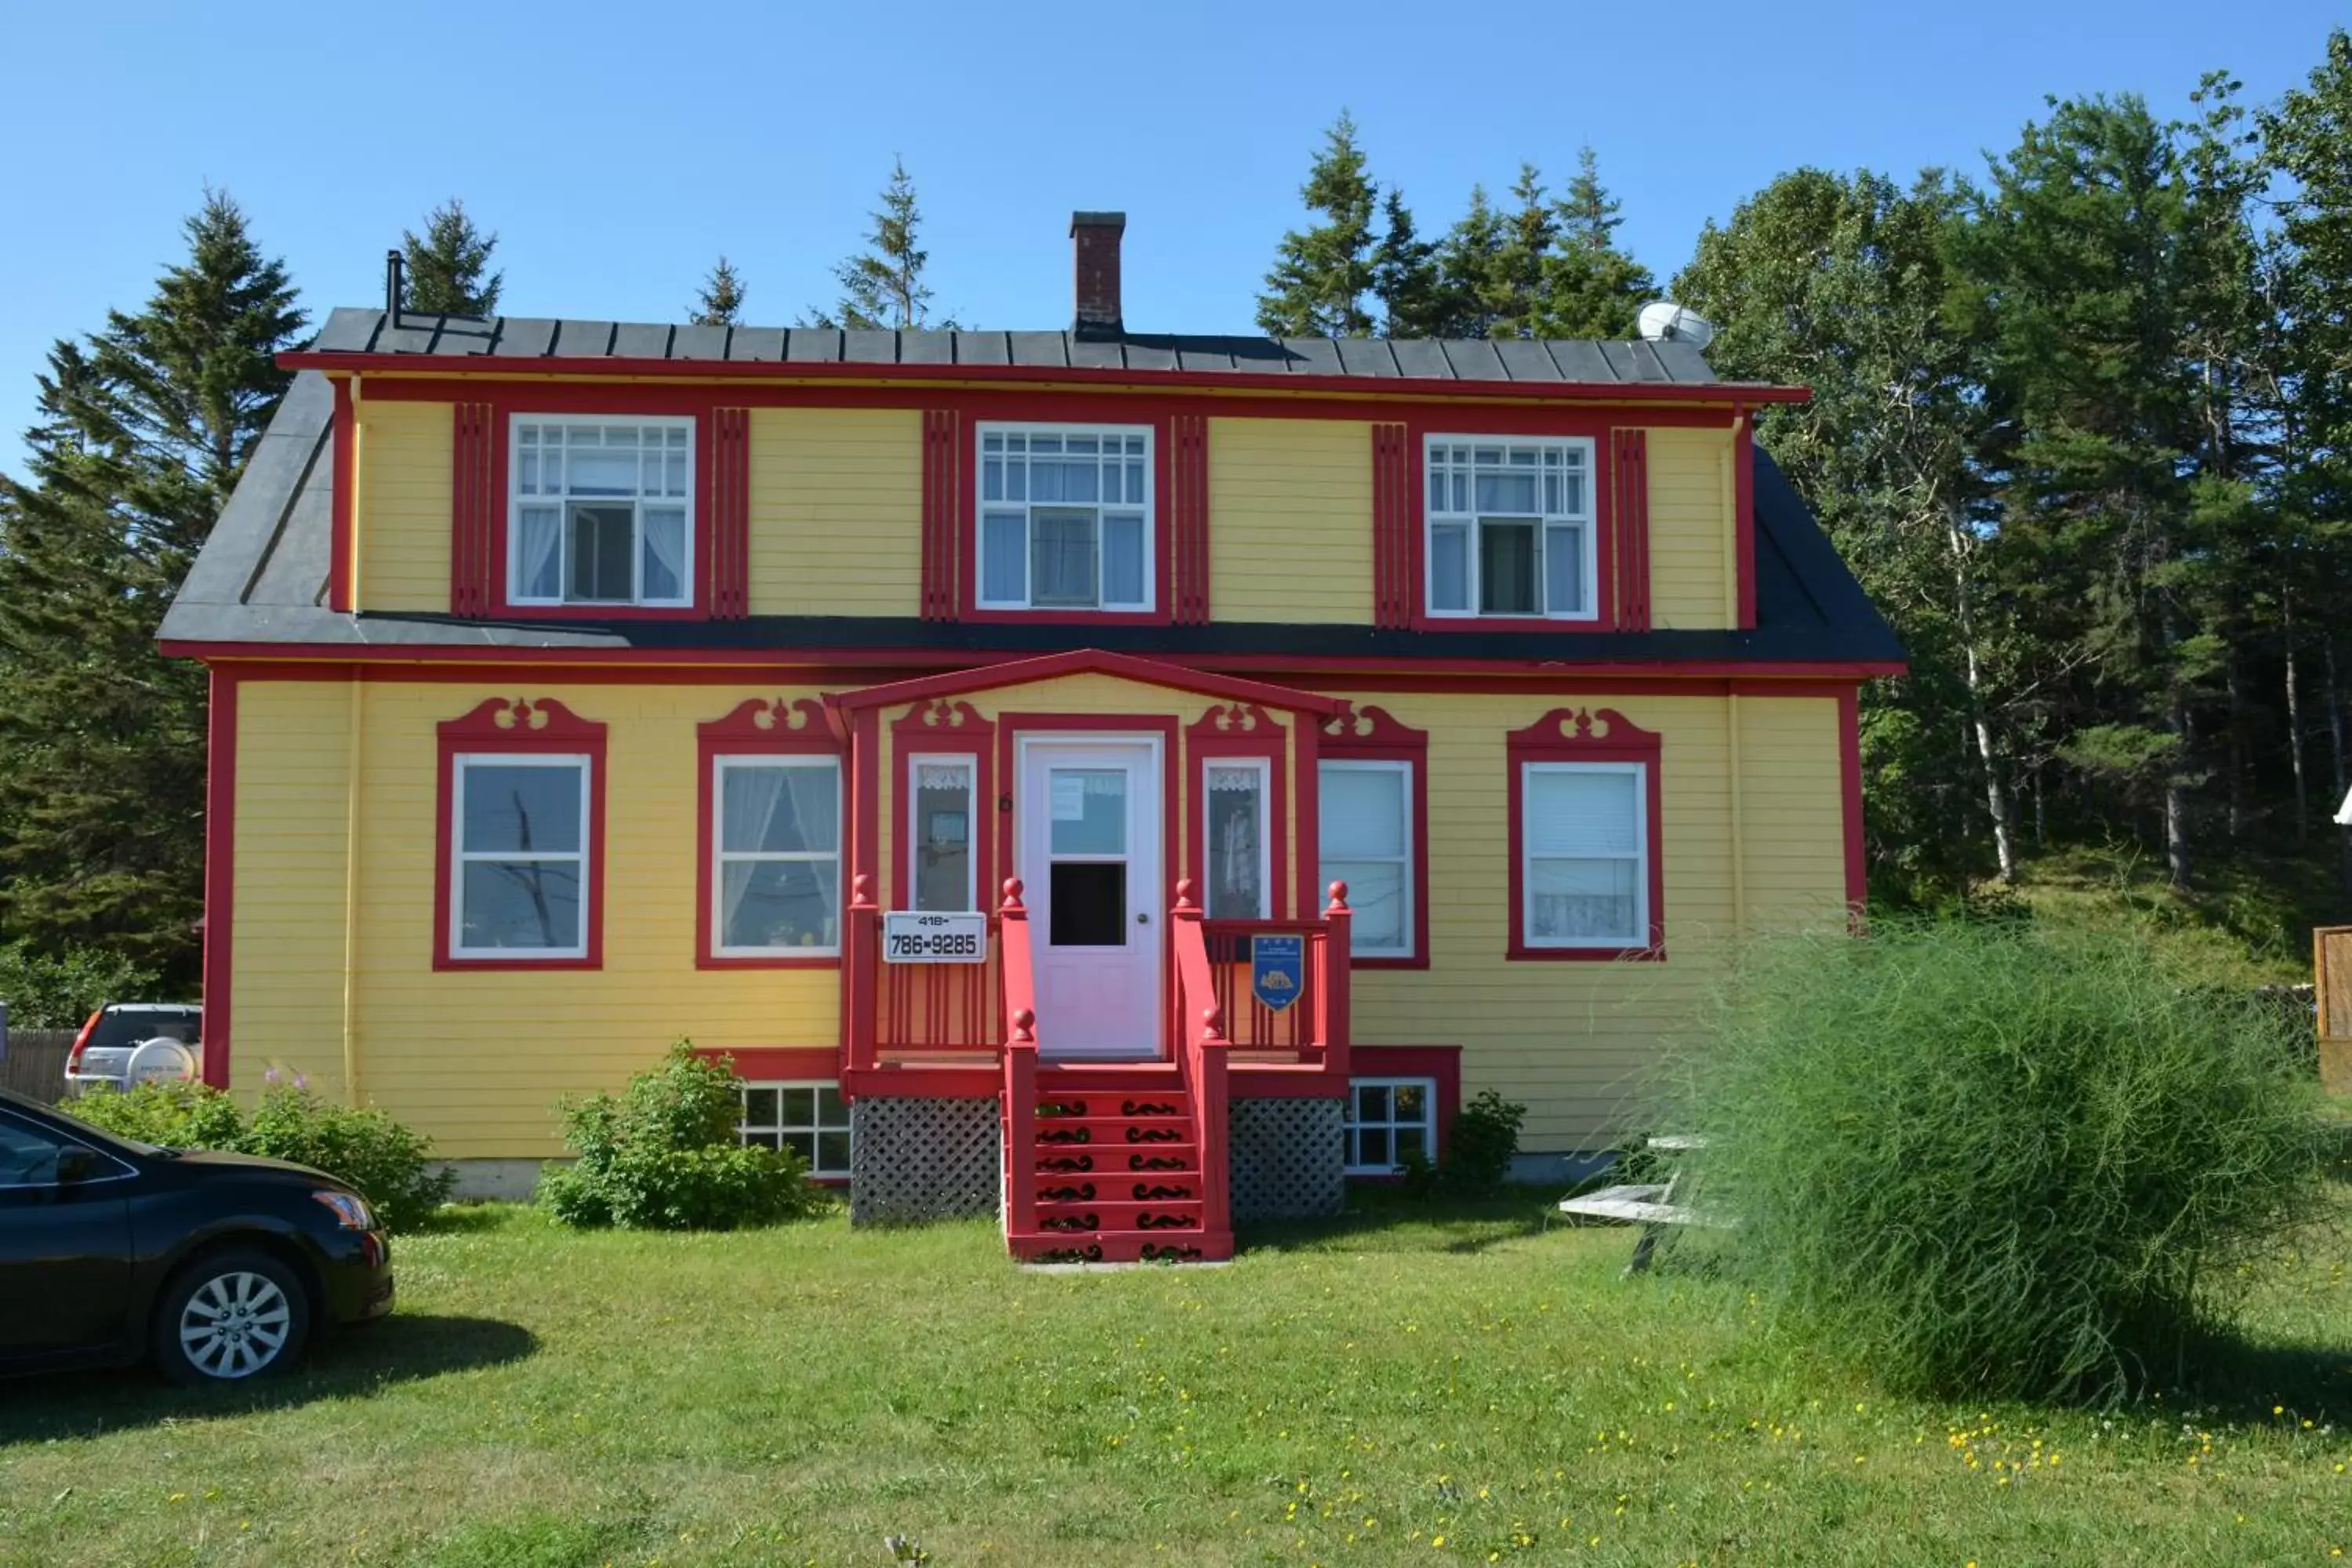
(1144, 919)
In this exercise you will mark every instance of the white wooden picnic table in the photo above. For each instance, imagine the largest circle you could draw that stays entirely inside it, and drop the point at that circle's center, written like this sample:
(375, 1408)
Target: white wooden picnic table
(1649, 1205)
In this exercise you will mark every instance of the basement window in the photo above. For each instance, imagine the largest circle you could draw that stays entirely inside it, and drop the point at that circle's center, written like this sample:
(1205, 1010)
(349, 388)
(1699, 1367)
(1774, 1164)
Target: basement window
(1065, 518)
(602, 511)
(808, 1117)
(1390, 1120)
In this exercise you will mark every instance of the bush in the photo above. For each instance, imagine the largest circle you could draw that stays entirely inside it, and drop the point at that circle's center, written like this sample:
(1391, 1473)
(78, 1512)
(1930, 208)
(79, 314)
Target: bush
(392, 1164)
(665, 1156)
(1479, 1147)
(1991, 1160)
(58, 993)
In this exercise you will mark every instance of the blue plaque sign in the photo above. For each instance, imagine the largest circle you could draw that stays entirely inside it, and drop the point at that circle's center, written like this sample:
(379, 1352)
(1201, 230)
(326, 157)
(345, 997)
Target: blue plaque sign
(1278, 968)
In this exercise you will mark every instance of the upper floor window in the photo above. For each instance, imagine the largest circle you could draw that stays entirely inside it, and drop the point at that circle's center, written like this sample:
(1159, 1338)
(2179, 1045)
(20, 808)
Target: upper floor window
(1066, 516)
(601, 512)
(1510, 528)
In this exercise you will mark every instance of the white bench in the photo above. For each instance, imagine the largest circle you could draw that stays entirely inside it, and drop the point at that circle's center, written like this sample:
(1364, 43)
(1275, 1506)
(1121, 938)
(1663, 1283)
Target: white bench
(1651, 1206)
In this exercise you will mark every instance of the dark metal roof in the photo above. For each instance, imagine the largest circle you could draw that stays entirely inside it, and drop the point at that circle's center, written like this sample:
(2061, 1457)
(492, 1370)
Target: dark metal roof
(1524, 360)
(262, 578)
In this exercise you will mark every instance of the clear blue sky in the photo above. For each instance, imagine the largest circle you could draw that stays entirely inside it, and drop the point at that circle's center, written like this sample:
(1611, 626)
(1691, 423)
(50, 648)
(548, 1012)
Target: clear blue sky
(618, 149)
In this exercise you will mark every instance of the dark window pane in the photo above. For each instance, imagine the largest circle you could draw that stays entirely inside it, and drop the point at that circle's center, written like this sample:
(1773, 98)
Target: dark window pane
(1372, 1102)
(830, 1110)
(1410, 1101)
(604, 551)
(832, 1152)
(519, 904)
(511, 810)
(1408, 1142)
(800, 1108)
(1089, 904)
(760, 1108)
(29, 1157)
(943, 837)
(801, 1143)
(1506, 569)
(1375, 1147)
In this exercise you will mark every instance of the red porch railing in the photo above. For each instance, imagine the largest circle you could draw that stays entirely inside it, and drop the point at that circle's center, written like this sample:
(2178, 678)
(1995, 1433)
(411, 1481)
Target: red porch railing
(897, 1009)
(1315, 1024)
(1199, 1046)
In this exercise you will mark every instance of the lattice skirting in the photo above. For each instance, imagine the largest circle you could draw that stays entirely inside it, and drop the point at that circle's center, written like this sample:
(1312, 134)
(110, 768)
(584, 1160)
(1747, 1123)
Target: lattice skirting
(1289, 1158)
(916, 1160)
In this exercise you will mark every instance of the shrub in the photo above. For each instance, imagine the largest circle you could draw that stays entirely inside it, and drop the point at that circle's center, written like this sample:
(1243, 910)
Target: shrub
(664, 1156)
(392, 1164)
(1993, 1160)
(1478, 1148)
(45, 991)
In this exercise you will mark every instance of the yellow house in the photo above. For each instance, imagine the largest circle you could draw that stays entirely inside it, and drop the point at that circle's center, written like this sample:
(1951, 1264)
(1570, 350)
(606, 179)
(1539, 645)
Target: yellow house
(1116, 780)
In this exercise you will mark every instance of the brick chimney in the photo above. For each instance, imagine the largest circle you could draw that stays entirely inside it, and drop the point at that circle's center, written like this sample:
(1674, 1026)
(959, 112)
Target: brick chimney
(1095, 247)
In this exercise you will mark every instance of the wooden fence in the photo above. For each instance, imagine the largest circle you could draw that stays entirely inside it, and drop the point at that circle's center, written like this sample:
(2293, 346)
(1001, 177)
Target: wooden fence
(2331, 973)
(35, 1065)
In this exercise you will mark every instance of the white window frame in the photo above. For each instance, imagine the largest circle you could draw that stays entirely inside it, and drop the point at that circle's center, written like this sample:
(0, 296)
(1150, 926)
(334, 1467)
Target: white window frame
(982, 506)
(721, 854)
(971, 765)
(1639, 857)
(1266, 829)
(516, 501)
(782, 1129)
(1588, 521)
(1408, 892)
(461, 764)
(1428, 1124)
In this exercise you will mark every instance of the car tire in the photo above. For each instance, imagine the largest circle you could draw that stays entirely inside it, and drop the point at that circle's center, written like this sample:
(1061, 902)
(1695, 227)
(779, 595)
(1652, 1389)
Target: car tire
(231, 1317)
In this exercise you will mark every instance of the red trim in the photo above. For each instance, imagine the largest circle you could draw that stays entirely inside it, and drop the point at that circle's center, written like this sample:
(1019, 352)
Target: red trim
(818, 373)
(757, 727)
(220, 870)
(339, 569)
(1241, 729)
(471, 444)
(1188, 474)
(1631, 452)
(729, 570)
(1743, 513)
(522, 725)
(1372, 734)
(1569, 735)
(1087, 661)
(1394, 587)
(1858, 863)
(944, 729)
(1439, 1063)
(762, 1063)
(1011, 727)
(942, 483)
(1160, 612)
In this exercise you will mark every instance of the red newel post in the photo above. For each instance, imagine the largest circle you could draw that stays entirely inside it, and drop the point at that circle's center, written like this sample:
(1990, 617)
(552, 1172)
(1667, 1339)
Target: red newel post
(1020, 1113)
(860, 975)
(1332, 996)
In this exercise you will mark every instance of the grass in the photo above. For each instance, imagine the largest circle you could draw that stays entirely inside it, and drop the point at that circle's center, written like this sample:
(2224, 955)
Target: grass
(1409, 1384)
(2247, 922)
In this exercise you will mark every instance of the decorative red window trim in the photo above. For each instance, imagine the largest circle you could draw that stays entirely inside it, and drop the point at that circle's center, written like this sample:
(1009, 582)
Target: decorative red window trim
(943, 482)
(1371, 734)
(472, 509)
(728, 572)
(942, 728)
(1519, 424)
(1630, 465)
(1226, 732)
(1012, 410)
(1743, 513)
(1188, 517)
(1440, 1063)
(345, 457)
(757, 727)
(1396, 590)
(522, 725)
(1586, 736)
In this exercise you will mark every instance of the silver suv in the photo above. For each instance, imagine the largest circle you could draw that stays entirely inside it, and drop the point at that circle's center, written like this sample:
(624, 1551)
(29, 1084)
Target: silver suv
(113, 1045)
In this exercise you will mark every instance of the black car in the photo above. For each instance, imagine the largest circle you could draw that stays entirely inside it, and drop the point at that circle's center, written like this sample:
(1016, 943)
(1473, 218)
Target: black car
(218, 1265)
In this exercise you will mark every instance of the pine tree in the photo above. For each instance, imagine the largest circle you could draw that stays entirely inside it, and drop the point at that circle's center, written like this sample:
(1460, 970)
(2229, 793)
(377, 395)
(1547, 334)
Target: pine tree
(719, 302)
(1405, 276)
(448, 266)
(140, 438)
(1588, 213)
(883, 285)
(1469, 266)
(1590, 289)
(1519, 263)
(1321, 273)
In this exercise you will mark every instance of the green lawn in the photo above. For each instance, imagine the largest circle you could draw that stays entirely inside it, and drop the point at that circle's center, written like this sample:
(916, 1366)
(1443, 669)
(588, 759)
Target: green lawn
(1405, 1386)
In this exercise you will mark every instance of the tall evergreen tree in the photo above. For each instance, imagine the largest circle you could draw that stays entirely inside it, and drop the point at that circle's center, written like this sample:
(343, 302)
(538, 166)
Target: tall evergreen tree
(882, 286)
(1405, 276)
(1321, 273)
(140, 438)
(1517, 275)
(448, 266)
(1470, 266)
(1588, 213)
(1591, 288)
(719, 302)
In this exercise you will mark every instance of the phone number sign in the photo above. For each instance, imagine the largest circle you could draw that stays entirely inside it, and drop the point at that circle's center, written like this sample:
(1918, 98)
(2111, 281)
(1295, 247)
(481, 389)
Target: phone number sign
(908, 937)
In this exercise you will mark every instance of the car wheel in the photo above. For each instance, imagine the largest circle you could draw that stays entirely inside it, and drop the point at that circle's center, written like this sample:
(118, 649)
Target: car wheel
(230, 1318)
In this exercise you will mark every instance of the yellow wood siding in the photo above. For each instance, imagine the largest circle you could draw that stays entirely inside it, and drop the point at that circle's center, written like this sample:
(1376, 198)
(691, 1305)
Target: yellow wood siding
(836, 512)
(1290, 520)
(404, 534)
(1690, 522)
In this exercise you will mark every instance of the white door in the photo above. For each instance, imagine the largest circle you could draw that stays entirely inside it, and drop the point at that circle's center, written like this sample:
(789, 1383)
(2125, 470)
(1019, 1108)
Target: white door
(1089, 833)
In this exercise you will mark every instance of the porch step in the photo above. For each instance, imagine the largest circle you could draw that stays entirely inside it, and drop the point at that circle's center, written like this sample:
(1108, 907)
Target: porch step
(1057, 1131)
(1115, 1162)
(1175, 1216)
(1120, 1247)
(1089, 1161)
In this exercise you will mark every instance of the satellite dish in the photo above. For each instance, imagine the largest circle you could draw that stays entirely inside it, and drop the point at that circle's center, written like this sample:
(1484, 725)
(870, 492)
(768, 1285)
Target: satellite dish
(1664, 321)
(159, 1060)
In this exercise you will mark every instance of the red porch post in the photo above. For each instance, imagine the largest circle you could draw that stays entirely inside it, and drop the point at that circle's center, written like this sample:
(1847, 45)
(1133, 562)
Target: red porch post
(1019, 1116)
(1331, 995)
(861, 954)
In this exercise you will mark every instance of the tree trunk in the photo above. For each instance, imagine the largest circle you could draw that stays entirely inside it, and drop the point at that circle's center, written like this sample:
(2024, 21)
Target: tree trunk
(2234, 690)
(2040, 813)
(1997, 803)
(2295, 724)
(2176, 796)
